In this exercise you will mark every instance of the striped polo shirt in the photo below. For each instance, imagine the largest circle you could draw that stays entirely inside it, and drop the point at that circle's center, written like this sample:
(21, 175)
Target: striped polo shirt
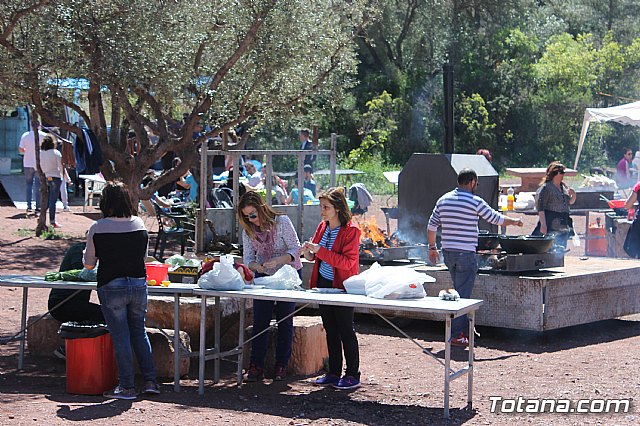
(458, 212)
(327, 240)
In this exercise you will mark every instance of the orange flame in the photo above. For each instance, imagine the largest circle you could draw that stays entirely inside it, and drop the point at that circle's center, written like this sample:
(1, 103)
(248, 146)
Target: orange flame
(369, 230)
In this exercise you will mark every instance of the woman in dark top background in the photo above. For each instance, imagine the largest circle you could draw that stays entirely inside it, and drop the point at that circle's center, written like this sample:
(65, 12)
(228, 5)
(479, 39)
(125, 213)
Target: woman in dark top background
(119, 241)
(553, 199)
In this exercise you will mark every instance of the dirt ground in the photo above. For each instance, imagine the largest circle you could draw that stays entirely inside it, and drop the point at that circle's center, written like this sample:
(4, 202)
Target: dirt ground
(400, 385)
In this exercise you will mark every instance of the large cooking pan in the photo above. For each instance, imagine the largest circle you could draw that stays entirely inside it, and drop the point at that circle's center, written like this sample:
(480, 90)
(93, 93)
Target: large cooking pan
(527, 244)
(487, 240)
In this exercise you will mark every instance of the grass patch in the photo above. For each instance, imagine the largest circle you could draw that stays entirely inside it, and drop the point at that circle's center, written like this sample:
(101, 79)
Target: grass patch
(24, 232)
(48, 233)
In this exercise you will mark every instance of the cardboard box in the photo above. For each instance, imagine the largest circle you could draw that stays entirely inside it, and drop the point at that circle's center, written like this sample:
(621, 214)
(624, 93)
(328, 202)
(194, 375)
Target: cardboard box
(184, 274)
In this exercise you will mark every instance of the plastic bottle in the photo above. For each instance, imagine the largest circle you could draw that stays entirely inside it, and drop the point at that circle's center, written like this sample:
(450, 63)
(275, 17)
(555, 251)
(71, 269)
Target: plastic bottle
(510, 198)
(576, 240)
(189, 254)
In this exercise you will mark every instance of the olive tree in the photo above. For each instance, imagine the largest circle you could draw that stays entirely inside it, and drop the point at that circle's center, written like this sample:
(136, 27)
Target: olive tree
(148, 62)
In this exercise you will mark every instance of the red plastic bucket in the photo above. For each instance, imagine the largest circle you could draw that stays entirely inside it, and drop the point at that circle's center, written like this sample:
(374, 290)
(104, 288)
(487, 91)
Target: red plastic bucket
(157, 271)
(91, 365)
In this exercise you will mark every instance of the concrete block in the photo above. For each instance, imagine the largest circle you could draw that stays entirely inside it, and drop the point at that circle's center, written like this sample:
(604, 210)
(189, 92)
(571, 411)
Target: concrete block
(163, 351)
(308, 352)
(42, 336)
(160, 315)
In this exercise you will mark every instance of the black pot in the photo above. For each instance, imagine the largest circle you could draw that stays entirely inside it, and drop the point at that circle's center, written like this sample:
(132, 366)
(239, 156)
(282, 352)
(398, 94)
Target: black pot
(527, 244)
(487, 241)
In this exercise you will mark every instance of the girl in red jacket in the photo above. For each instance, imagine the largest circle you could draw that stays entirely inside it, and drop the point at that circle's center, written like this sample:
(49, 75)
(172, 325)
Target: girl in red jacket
(335, 247)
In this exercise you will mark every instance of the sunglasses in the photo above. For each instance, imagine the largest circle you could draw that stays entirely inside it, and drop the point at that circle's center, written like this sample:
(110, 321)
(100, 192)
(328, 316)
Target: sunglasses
(561, 172)
(251, 216)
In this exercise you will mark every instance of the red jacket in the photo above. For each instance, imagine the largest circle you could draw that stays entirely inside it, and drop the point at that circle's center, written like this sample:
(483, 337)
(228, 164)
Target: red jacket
(343, 256)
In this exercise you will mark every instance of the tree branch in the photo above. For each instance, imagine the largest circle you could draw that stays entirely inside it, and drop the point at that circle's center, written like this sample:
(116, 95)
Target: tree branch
(408, 22)
(249, 37)
(14, 18)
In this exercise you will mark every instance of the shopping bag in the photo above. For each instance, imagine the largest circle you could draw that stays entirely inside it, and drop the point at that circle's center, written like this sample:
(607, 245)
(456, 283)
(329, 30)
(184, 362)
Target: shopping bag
(285, 278)
(355, 284)
(397, 282)
(223, 276)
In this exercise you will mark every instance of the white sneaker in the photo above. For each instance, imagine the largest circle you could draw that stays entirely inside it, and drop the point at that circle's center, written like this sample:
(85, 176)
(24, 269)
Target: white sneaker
(66, 209)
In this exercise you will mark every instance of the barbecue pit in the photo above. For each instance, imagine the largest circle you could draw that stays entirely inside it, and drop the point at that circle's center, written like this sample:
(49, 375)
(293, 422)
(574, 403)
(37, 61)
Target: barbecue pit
(496, 261)
(377, 246)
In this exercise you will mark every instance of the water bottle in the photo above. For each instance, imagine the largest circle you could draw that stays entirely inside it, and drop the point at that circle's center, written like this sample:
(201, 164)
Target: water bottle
(189, 254)
(510, 198)
(576, 240)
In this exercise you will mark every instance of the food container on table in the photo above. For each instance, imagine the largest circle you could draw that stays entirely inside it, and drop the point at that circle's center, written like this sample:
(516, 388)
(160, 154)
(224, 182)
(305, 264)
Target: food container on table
(157, 272)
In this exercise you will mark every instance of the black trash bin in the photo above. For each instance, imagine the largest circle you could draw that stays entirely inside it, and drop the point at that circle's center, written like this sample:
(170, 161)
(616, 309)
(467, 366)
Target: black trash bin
(91, 363)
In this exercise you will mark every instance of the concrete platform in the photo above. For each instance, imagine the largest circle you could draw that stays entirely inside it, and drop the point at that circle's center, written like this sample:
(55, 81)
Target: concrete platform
(583, 291)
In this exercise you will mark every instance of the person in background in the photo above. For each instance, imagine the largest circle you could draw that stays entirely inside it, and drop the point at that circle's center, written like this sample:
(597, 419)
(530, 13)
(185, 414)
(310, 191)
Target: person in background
(27, 148)
(189, 183)
(119, 241)
(553, 200)
(306, 144)
(457, 212)
(269, 241)
(334, 248)
(632, 241)
(486, 153)
(307, 195)
(635, 166)
(51, 165)
(78, 308)
(309, 182)
(624, 177)
(253, 174)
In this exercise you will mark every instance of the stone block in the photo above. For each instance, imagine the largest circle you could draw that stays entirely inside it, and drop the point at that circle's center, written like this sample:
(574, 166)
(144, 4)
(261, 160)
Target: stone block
(160, 315)
(163, 350)
(42, 336)
(308, 352)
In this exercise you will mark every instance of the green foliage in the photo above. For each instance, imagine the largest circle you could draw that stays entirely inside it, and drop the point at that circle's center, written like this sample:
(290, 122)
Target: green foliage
(378, 125)
(477, 130)
(374, 180)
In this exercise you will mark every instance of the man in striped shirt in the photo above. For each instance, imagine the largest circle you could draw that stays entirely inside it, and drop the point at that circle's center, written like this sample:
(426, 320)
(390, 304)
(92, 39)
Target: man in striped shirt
(458, 212)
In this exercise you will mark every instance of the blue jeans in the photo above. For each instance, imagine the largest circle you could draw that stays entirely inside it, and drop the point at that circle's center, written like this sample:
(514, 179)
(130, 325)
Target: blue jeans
(463, 267)
(54, 190)
(124, 305)
(262, 315)
(33, 185)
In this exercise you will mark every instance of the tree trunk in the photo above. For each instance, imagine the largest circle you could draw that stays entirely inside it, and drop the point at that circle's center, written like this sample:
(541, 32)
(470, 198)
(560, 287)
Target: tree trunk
(44, 189)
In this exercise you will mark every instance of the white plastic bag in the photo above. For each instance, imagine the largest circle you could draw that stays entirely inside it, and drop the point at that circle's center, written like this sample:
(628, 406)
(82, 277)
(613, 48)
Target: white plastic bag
(285, 278)
(397, 282)
(223, 276)
(356, 283)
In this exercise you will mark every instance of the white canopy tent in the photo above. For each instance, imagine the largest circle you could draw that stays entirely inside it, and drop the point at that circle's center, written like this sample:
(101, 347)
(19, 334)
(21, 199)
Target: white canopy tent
(623, 114)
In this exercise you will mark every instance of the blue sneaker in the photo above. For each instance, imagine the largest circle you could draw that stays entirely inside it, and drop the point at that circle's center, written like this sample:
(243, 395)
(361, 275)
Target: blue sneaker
(347, 382)
(327, 379)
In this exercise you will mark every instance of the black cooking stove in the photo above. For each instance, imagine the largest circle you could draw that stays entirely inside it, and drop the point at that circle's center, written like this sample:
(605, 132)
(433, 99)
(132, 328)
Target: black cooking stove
(500, 261)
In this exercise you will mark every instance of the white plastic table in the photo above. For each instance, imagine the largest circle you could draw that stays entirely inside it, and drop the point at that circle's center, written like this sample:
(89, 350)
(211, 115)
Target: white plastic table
(447, 310)
(26, 282)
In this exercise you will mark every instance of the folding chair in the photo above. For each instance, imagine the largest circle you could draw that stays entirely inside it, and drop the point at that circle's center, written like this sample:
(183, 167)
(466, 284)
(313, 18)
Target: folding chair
(170, 227)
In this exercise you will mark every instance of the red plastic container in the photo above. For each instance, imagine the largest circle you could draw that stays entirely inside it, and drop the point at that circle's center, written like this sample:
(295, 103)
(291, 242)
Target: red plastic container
(616, 204)
(91, 365)
(157, 271)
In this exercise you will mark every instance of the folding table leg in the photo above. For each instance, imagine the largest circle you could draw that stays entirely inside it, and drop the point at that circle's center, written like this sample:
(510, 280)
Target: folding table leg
(203, 337)
(176, 342)
(23, 326)
(216, 337)
(241, 340)
(447, 364)
(471, 315)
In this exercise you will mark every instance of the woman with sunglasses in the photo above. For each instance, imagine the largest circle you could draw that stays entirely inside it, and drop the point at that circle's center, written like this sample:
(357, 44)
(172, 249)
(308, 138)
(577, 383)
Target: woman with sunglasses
(269, 242)
(553, 200)
(334, 247)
